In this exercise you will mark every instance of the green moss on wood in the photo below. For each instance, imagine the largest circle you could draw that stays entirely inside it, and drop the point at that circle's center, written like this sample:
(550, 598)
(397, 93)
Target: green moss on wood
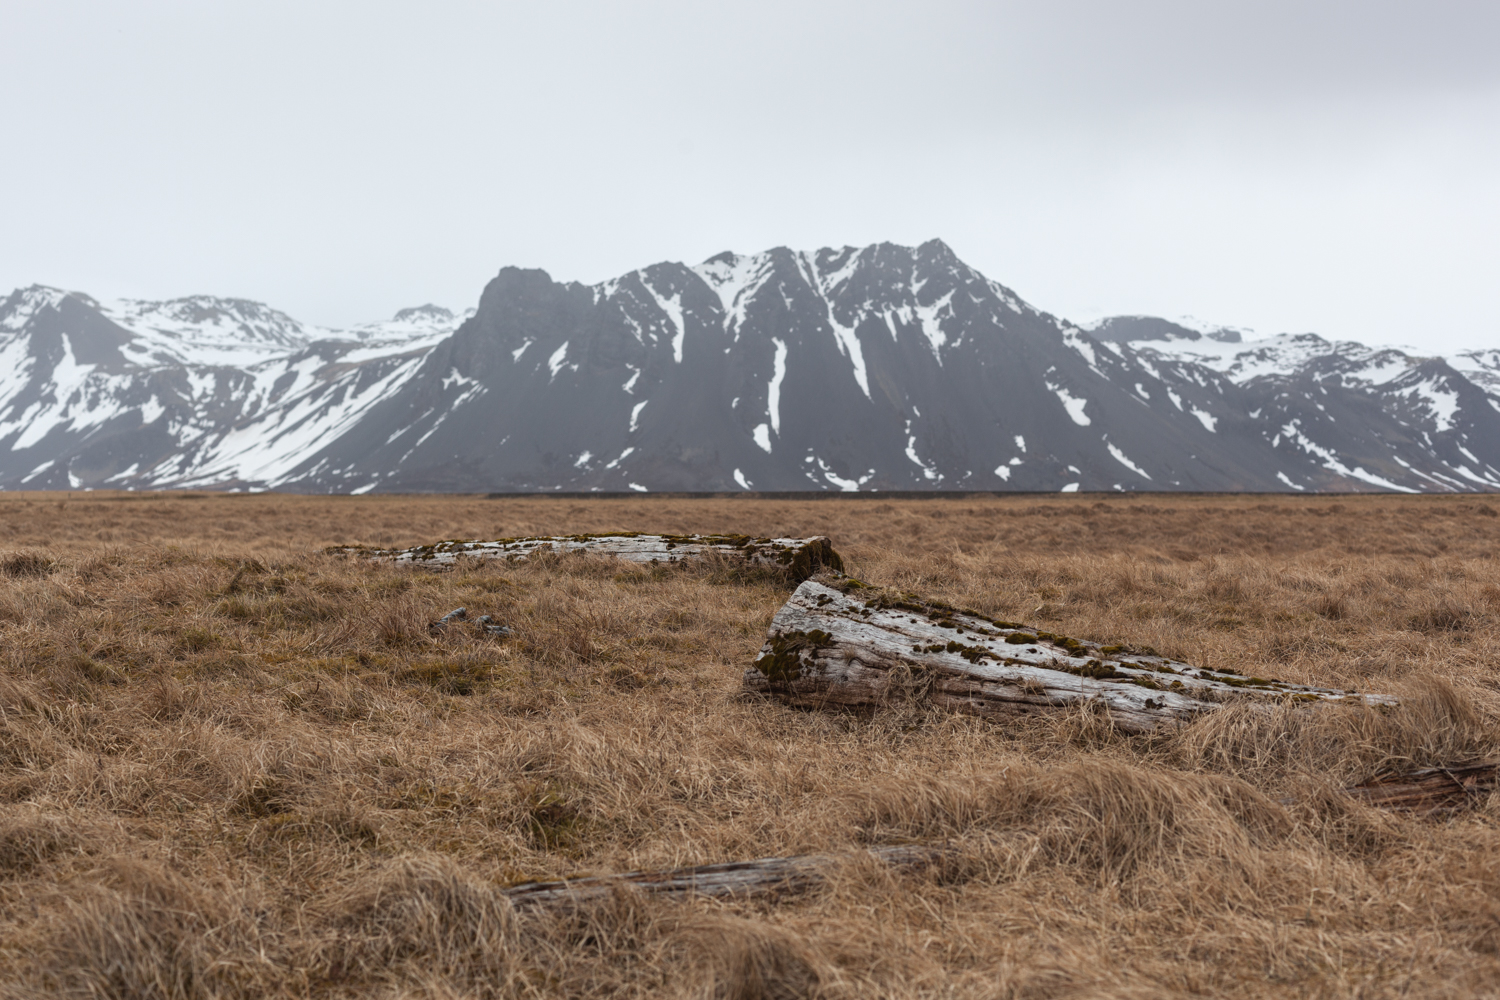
(783, 662)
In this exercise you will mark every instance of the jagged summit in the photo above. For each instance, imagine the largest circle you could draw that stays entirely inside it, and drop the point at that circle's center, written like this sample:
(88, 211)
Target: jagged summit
(429, 311)
(1133, 329)
(878, 367)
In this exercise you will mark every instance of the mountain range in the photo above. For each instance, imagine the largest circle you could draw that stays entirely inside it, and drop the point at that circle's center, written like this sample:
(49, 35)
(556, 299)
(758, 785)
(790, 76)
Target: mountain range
(875, 368)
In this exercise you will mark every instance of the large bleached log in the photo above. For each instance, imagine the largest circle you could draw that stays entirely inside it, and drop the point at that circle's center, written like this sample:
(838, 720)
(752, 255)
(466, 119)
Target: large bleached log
(798, 557)
(763, 876)
(854, 646)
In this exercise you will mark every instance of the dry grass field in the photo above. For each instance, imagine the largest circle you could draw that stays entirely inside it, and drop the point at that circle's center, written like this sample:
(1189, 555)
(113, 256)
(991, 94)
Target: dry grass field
(234, 766)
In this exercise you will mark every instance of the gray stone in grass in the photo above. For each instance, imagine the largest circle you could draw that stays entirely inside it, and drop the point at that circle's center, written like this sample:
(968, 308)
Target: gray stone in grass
(486, 623)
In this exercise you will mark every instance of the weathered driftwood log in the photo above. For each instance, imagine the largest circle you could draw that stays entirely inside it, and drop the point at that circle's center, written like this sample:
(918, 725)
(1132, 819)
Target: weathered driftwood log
(850, 645)
(800, 558)
(1432, 789)
(763, 876)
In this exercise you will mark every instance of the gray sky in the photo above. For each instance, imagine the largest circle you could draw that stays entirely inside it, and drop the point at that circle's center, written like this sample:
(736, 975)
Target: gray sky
(1288, 166)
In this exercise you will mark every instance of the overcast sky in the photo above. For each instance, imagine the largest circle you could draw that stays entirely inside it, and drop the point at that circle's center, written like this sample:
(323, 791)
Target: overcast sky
(1286, 166)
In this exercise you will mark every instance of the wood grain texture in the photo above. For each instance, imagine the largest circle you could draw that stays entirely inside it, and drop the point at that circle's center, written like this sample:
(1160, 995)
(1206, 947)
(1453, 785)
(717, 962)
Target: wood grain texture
(1432, 789)
(848, 645)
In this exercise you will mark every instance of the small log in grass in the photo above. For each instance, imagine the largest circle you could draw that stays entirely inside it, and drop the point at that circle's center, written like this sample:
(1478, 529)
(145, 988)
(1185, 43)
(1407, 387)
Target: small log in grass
(847, 645)
(741, 879)
(1432, 789)
(1429, 790)
(799, 558)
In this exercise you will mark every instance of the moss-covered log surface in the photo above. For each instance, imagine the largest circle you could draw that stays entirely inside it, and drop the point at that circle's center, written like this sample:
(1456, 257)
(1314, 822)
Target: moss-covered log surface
(842, 644)
(800, 558)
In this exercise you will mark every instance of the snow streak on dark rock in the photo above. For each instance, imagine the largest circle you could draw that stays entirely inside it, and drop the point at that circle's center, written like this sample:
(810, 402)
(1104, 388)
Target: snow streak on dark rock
(886, 367)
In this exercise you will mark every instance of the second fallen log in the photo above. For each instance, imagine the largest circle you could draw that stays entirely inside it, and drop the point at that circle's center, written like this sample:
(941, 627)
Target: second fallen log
(799, 558)
(850, 645)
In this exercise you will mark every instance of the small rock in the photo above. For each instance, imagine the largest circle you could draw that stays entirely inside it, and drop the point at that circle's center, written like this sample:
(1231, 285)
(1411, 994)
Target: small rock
(457, 614)
(487, 623)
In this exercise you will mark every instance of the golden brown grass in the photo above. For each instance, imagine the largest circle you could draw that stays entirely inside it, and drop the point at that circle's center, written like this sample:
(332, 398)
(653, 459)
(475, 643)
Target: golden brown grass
(232, 766)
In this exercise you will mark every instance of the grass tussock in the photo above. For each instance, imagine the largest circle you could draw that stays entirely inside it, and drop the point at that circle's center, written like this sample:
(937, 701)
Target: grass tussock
(148, 932)
(232, 765)
(420, 910)
(27, 562)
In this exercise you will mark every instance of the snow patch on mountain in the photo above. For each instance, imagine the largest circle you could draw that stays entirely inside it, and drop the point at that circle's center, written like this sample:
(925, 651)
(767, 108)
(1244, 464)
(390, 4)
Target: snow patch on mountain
(930, 321)
(1072, 404)
(1119, 456)
(735, 280)
(558, 359)
(773, 390)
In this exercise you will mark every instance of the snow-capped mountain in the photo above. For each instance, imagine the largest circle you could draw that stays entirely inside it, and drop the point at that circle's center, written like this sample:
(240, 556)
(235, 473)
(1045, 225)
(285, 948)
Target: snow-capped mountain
(884, 367)
(192, 392)
(1380, 416)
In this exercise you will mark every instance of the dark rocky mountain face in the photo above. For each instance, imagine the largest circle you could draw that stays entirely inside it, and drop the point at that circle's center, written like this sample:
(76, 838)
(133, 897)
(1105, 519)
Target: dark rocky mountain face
(881, 368)
(886, 367)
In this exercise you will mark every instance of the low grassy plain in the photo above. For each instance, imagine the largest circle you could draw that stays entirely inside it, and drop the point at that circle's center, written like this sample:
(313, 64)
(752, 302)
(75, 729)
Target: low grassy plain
(232, 765)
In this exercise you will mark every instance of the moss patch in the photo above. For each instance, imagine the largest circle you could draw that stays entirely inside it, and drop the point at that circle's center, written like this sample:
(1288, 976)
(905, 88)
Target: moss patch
(783, 662)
